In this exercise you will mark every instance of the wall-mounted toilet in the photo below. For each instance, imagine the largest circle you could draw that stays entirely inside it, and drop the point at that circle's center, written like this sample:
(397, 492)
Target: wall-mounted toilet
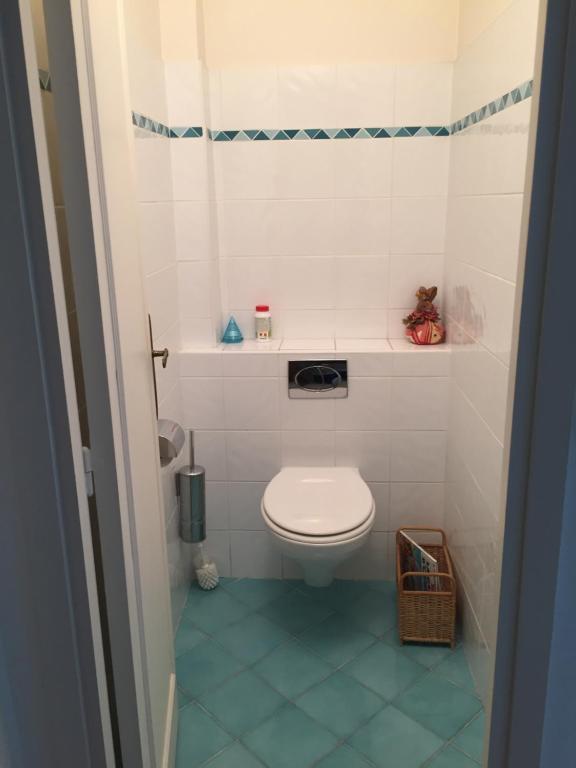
(318, 516)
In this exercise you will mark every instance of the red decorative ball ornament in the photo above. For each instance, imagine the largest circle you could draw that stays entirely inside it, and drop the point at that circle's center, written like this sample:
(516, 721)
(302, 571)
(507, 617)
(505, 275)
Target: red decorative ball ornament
(424, 325)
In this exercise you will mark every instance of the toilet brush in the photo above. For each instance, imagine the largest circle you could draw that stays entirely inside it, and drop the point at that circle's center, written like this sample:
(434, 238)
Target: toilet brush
(206, 571)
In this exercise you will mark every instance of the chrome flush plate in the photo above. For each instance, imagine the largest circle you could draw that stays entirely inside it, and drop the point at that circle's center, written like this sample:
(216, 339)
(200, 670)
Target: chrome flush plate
(317, 379)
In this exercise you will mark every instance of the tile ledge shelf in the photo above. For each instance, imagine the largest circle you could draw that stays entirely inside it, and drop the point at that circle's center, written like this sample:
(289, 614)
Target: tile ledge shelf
(317, 346)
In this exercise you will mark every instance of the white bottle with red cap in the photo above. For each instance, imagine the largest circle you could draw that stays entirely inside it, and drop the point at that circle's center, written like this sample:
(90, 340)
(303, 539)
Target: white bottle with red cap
(263, 322)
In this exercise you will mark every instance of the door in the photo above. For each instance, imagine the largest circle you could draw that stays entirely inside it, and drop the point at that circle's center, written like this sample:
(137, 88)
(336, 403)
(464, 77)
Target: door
(534, 706)
(89, 84)
(54, 707)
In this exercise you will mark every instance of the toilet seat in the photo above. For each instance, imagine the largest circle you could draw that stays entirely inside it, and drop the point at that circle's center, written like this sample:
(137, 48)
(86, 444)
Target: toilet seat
(320, 505)
(319, 541)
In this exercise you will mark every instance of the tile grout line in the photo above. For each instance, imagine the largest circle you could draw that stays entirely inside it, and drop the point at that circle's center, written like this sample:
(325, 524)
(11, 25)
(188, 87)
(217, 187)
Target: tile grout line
(341, 741)
(293, 700)
(296, 638)
(292, 638)
(451, 742)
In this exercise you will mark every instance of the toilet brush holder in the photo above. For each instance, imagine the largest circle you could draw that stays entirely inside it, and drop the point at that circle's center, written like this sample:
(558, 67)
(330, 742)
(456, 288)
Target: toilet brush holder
(191, 490)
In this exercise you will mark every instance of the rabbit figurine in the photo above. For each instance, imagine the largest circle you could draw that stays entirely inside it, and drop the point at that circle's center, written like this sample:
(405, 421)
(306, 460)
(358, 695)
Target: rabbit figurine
(424, 325)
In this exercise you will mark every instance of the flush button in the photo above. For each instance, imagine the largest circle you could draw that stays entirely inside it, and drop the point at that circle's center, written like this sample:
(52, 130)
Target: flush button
(317, 379)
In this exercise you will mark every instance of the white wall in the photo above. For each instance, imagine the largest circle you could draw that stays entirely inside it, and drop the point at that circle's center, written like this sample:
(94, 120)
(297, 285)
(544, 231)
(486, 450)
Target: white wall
(194, 207)
(180, 29)
(327, 31)
(497, 48)
(324, 230)
(321, 230)
(144, 51)
(337, 235)
(392, 427)
(157, 209)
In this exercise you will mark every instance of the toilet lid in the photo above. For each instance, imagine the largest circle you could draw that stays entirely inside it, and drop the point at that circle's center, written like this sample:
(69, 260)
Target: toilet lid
(318, 501)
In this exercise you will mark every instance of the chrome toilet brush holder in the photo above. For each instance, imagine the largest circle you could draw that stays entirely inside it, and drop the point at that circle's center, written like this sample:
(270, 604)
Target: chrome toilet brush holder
(191, 491)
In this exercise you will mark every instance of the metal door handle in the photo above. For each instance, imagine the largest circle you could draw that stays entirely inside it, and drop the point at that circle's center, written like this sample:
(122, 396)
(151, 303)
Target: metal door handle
(163, 353)
(154, 353)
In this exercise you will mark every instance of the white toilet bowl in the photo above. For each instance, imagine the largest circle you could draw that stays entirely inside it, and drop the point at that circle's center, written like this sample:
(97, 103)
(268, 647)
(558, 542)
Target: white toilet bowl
(318, 516)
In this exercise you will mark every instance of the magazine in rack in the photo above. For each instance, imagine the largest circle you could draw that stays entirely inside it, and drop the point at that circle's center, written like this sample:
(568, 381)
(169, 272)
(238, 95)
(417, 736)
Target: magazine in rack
(417, 559)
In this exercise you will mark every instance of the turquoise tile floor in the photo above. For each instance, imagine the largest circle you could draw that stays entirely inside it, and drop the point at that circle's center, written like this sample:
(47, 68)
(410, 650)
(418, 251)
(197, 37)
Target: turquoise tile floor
(275, 674)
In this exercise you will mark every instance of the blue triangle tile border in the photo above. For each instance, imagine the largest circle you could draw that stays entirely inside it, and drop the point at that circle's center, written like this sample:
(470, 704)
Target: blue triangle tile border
(511, 98)
(323, 134)
(515, 96)
(154, 126)
(192, 132)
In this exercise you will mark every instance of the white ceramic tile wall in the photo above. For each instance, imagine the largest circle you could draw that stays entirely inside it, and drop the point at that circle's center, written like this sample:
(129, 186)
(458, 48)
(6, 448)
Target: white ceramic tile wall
(325, 231)
(161, 287)
(144, 58)
(179, 266)
(199, 293)
(392, 427)
(486, 186)
(337, 235)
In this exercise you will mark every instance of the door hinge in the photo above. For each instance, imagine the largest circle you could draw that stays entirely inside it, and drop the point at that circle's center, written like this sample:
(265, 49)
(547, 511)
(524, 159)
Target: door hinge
(88, 472)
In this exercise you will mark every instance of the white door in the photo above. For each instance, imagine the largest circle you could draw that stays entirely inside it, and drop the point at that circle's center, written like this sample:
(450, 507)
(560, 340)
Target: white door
(97, 168)
(54, 703)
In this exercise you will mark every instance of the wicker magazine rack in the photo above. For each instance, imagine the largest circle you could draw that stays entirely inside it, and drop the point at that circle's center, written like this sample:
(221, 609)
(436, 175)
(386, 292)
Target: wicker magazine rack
(426, 616)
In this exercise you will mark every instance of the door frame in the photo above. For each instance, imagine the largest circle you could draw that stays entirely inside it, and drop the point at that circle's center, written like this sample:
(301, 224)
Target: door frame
(54, 708)
(86, 43)
(533, 704)
(86, 233)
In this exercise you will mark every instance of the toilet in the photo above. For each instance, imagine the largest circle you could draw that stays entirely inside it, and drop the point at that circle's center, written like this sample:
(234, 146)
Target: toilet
(318, 516)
